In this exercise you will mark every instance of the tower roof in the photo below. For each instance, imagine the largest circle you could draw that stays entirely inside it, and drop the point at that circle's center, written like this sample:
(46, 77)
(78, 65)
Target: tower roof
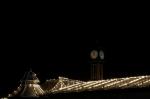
(29, 75)
(28, 86)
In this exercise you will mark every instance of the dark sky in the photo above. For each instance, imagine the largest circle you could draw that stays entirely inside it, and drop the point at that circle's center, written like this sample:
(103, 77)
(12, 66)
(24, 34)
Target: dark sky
(59, 44)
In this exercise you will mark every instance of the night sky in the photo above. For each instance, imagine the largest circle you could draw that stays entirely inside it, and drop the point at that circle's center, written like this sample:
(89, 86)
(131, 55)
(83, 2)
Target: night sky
(60, 46)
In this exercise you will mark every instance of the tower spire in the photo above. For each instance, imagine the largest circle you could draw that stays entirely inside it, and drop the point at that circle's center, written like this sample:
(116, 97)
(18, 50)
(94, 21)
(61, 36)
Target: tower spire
(30, 69)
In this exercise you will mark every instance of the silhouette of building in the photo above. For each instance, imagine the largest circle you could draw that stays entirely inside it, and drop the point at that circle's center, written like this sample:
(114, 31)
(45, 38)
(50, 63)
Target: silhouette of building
(97, 60)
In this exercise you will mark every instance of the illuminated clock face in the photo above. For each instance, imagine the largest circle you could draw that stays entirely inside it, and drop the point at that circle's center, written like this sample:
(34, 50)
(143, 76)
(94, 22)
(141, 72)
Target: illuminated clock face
(94, 54)
(101, 54)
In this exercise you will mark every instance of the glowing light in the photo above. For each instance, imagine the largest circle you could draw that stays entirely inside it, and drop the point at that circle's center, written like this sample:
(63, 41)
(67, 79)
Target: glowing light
(68, 85)
(94, 54)
(119, 83)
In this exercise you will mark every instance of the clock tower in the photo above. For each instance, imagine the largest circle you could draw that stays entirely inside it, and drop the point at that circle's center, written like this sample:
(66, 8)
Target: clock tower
(97, 60)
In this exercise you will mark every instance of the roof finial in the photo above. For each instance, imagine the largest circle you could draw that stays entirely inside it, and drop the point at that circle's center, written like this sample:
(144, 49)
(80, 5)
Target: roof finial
(97, 41)
(30, 68)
